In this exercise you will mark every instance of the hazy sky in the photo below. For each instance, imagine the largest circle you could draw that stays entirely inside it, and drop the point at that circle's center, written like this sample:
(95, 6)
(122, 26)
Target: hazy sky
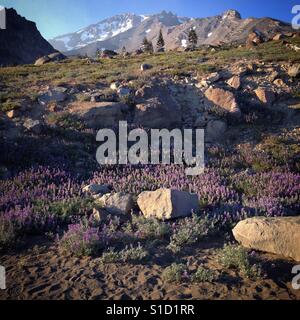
(56, 17)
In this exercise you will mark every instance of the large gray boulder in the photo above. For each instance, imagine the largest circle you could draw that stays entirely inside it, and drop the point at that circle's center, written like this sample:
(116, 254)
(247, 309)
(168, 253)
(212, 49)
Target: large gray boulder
(156, 108)
(100, 115)
(279, 235)
(116, 203)
(165, 204)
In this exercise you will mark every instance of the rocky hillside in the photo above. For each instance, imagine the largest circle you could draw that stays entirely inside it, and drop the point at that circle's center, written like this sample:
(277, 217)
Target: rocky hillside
(129, 30)
(73, 229)
(21, 42)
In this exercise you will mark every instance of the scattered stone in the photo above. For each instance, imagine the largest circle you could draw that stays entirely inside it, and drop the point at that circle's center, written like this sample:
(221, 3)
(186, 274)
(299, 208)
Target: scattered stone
(13, 113)
(254, 38)
(294, 71)
(215, 131)
(279, 36)
(279, 83)
(57, 94)
(265, 96)
(116, 203)
(42, 61)
(56, 56)
(123, 91)
(212, 78)
(279, 235)
(146, 66)
(223, 99)
(274, 75)
(165, 204)
(33, 126)
(97, 189)
(115, 86)
(234, 82)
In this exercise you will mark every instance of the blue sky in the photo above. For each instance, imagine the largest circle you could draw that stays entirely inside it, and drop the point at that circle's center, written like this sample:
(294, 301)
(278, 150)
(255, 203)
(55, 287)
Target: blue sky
(56, 17)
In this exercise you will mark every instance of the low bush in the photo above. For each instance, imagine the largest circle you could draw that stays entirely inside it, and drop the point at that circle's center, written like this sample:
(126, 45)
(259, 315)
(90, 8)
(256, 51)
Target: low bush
(236, 257)
(187, 232)
(129, 254)
(204, 275)
(81, 240)
(174, 273)
(149, 229)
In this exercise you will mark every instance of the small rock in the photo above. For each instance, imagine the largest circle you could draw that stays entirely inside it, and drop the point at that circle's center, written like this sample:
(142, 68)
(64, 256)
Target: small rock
(274, 75)
(279, 83)
(13, 113)
(42, 61)
(96, 189)
(278, 36)
(234, 82)
(214, 77)
(115, 86)
(57, 94)
(34, 126)
(117, 203)
(146, 66)
(265, 96)
(294, 71)
(165, 204)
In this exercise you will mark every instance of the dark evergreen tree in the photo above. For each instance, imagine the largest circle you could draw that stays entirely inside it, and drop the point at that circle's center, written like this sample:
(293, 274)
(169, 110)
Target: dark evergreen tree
(160, 42)
(193, 39)
(147, 46)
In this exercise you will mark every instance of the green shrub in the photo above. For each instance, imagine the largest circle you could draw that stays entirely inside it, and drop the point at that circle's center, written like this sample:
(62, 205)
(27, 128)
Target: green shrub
(174, 273)
(188, 232)
(148, 228)
(65, 120)
(65, 209)
(129, 254)
(236, 257)
(204, 275)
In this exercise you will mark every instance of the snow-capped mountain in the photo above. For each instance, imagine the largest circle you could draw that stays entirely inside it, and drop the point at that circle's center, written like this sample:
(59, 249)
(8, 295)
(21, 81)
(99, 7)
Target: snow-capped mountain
(129, 30)
(112, 27)
(100, 31)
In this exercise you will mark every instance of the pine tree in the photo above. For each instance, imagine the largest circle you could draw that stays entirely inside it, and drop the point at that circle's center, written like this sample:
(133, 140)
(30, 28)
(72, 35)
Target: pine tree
(147, 46)
(160, 42)
(193, 39)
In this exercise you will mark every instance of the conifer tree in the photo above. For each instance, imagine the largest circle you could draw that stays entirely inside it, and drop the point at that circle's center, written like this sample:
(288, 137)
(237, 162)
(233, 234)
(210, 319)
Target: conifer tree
(193, 39)
(160, 42)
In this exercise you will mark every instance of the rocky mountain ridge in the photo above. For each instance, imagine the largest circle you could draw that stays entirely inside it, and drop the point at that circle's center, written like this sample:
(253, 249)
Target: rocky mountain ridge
(129, 30)
(21, 42)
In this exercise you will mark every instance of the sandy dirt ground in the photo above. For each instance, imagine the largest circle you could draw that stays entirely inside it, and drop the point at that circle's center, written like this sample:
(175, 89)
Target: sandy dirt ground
(42, 272)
